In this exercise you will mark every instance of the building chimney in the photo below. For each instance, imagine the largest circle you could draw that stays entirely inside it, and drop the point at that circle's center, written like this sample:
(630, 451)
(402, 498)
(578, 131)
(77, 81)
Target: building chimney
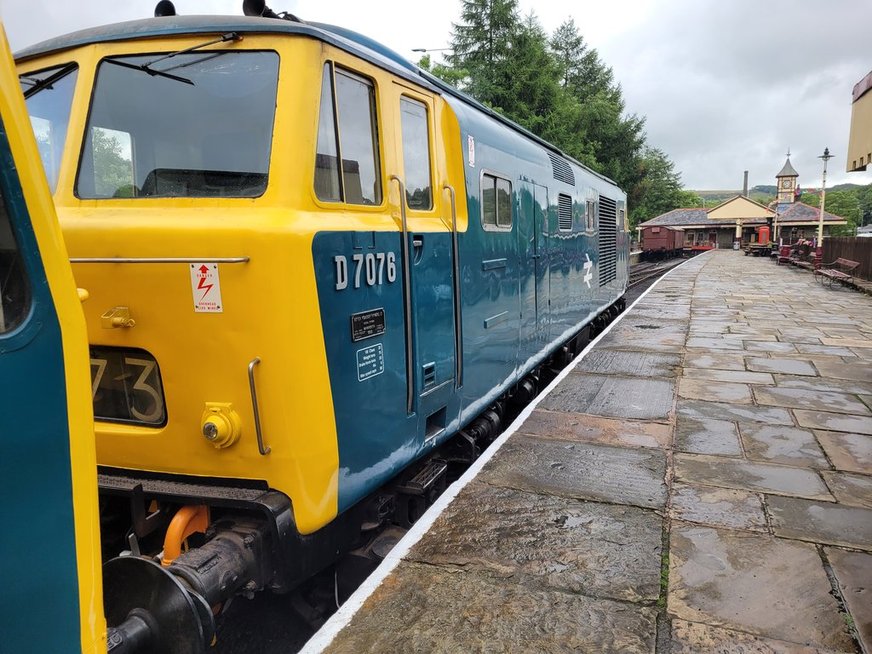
(745, 185)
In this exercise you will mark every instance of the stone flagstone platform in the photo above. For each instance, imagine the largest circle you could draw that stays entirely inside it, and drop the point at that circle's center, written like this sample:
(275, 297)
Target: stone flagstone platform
(700, 482)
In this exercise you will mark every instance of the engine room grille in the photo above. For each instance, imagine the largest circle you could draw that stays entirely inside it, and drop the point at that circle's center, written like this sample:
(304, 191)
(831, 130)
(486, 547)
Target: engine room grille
(561, 169)
(608, 234)
(564, 213)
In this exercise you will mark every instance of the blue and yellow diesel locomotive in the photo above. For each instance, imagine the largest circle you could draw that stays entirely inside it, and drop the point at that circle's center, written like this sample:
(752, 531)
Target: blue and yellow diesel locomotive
(310, 265)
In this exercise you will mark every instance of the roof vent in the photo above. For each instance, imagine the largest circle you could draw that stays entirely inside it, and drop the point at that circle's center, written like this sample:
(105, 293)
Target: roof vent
(562, 170)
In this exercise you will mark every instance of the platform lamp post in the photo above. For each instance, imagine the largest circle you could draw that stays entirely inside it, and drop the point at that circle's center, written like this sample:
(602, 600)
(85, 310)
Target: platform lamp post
(826, 156)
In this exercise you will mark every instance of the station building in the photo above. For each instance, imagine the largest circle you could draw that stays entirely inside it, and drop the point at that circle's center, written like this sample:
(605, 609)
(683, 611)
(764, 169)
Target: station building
(860, 139)
(738, 218)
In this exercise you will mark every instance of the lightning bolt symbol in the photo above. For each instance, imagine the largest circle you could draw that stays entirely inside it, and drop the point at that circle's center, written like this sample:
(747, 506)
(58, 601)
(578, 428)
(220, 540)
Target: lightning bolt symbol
(203, 286)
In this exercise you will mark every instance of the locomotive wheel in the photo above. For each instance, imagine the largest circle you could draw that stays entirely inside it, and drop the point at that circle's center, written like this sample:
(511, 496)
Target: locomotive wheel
(185, 624)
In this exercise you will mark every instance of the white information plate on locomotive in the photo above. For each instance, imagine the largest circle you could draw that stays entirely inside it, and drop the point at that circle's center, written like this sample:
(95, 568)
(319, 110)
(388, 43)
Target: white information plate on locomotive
(126, 386)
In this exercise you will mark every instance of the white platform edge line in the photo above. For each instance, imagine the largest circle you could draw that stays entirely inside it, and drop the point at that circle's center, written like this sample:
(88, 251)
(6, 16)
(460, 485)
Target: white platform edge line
(339, 620)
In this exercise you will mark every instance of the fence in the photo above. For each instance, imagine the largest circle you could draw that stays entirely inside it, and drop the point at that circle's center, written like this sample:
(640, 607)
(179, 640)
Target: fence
(853, 248)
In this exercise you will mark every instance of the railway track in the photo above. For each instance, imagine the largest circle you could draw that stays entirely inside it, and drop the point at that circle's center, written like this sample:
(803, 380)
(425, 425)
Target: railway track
(642, 272)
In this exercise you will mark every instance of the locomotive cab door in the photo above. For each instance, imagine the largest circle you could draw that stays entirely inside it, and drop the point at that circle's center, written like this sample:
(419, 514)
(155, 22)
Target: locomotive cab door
(52, 596)
(431, 246)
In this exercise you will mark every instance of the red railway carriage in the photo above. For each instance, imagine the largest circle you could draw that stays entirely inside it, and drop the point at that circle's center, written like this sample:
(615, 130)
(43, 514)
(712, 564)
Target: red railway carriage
(661, 242)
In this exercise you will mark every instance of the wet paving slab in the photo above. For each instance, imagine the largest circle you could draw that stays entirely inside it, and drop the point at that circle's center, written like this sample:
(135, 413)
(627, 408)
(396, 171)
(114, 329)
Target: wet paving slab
(825, 384)
(718, 507)
(592, 472)
(608, 396)
(853, 572)
(695, 638)
(821, 522)
(707, 436)
(850, 452)
(797, 398)
(700, 410)
(747, 475)
(700, 482)
(424, 608)
(714, 391)
(758, 584)
(850, 488)
(780, 444)
(714, 360)
(630, 363)
(585, 428)
(854, 371)
(599, 550)
(765, 346)
(782, 366)
(834, 421)
(740, 376)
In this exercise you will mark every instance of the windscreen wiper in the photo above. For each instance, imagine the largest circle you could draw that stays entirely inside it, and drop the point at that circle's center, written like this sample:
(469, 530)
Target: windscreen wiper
(147, 67)
(46, 82)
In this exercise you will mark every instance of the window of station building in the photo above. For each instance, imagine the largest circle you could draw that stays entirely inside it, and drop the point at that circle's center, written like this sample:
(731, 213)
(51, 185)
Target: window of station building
(347, 167)
(49, 96)
(496, 202)
(14, 288)
(416, 154)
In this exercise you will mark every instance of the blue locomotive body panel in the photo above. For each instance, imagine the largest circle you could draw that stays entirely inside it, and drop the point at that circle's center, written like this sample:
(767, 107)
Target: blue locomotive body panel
(526, 288)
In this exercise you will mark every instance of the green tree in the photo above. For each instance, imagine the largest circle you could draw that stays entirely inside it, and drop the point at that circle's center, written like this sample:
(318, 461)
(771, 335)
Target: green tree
(688, 199)
(445, 72)
(660, 187)
(527, 83)
(847, 205)
(605, 138)
(811, 199)
(113, 169)
(864, 197)
(481, 42)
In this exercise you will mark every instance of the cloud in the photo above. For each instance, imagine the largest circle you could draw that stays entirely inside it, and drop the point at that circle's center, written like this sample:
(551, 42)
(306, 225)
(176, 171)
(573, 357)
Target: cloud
(730, 86)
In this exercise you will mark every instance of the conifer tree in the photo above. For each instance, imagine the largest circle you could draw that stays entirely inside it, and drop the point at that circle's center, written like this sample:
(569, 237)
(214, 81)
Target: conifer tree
(482, 41)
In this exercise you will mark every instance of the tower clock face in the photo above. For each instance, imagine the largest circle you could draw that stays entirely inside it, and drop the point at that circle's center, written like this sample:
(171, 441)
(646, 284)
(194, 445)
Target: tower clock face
(785, 183)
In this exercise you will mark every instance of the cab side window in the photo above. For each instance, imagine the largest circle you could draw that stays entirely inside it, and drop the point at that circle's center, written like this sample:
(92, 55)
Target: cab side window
(416, 154)
(14, 288)
(496, 202)
(347, 167)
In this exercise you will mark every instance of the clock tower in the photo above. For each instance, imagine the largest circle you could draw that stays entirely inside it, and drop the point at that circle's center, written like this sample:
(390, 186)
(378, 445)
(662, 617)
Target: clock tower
(786, 183)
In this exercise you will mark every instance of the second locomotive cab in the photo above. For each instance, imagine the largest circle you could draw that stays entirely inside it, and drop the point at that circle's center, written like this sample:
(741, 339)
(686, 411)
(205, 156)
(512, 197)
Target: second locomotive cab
(309, 266)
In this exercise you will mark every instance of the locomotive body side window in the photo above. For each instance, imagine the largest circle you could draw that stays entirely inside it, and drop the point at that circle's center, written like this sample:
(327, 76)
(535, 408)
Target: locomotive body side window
(14, 288)
(49, 96)
(496, 202)
(590, 216)
(347, 151)
(416, 154)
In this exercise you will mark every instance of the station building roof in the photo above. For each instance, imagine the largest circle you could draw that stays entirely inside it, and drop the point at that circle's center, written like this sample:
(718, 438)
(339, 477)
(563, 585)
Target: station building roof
(798, 213)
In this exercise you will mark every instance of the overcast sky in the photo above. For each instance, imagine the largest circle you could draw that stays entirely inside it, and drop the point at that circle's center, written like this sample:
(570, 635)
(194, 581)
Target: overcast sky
(724, 86)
